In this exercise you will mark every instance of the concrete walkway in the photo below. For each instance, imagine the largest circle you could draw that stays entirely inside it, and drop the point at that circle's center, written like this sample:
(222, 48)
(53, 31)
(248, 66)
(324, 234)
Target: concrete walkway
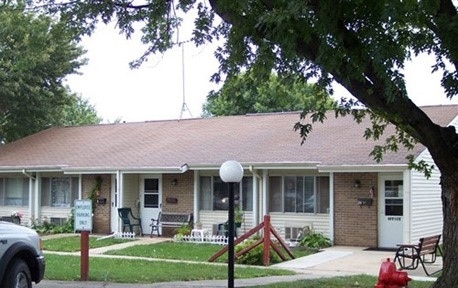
(331, 262)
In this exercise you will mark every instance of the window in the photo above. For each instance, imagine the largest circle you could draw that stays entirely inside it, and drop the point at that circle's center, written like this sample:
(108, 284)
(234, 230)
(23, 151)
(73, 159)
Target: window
(214, 194)
(299, 194)
(394, 198)
(59, 191)
(14, 191)
(151, 193)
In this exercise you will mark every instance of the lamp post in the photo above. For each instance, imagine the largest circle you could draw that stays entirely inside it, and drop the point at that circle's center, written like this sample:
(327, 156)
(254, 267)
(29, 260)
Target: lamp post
(231, 172)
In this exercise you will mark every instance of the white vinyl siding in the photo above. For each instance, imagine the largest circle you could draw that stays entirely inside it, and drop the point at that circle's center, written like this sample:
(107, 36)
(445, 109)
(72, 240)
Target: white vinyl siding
(426, 203)
(131, 192)
(211, 218)
(318, 223)
(53, 212)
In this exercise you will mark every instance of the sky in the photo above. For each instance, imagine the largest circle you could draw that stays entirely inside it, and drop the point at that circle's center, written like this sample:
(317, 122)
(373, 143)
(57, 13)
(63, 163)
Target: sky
(155, 90)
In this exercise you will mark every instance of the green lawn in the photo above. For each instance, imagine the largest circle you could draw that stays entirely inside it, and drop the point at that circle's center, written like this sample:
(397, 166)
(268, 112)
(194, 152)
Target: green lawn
(67, 268)
(170, 250)
(73, 243)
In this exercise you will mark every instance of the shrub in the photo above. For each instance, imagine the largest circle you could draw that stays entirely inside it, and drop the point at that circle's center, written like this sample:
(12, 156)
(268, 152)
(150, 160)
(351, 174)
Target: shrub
(183, 230)
(314, 241)
(255, 255)
(48, 228)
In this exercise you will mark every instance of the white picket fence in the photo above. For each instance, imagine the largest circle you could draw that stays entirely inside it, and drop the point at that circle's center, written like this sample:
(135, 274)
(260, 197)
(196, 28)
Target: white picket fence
(208, 239)
(124, 235)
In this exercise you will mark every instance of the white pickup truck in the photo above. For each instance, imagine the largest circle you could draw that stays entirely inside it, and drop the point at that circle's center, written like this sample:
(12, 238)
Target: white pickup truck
(21, 256)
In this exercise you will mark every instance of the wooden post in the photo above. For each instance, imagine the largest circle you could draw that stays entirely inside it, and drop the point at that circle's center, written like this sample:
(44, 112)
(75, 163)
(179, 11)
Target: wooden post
(266, 254)
(84, 255)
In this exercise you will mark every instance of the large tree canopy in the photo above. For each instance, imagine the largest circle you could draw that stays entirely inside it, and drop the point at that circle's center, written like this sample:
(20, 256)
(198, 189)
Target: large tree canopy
(243, 94)
(363, 45)
(36, 53)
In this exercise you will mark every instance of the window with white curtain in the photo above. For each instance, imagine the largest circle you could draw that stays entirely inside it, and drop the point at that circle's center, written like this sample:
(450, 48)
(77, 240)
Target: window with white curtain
(59, 191)
(14, 191)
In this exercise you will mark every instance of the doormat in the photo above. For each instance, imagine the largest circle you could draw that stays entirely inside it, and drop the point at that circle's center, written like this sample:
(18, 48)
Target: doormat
(381, 249)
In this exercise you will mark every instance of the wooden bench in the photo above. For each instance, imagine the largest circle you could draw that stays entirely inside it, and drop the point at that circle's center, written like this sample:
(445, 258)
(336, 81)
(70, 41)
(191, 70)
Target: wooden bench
(423, 252)
(170, 219)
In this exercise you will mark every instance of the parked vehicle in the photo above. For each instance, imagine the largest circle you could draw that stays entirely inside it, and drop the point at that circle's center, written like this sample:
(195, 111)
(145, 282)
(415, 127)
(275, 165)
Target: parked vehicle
(21, 256)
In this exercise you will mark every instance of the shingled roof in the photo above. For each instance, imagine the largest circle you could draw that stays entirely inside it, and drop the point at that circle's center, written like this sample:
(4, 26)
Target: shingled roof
(260, 139)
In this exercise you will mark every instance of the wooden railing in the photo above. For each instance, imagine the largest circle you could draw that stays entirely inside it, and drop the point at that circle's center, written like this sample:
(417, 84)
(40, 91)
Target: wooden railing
(267, 231)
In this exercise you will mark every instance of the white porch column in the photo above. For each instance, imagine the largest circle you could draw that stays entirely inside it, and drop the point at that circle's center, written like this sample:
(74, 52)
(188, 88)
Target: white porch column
(31, 209)
(407, 206)
(196, 193)
(255, 203)
(119, 183)
(36, 204)
(265, 178)
(257, 190)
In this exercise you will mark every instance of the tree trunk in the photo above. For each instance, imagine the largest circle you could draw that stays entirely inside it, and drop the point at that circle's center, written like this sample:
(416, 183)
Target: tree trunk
(450, 233)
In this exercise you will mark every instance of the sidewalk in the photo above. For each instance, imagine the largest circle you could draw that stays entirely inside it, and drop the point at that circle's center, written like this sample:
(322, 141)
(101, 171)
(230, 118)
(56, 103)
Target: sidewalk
(331, 262)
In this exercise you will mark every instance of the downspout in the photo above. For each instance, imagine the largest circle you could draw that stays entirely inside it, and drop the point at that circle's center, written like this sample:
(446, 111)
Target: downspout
(31, 198)
(331, 207)
(80, 187)
(27, 174)
(256, 193)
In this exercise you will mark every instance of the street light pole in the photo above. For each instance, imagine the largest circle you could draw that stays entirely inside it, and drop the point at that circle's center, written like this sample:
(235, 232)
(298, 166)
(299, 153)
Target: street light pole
(231, 172)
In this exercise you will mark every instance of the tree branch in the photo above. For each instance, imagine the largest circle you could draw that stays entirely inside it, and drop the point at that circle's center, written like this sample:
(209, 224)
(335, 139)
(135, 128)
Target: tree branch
(370, 87)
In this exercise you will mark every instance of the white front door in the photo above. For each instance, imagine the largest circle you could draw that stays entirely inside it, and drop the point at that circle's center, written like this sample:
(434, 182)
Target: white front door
(391, 211)
(114, 205)
(150, 201)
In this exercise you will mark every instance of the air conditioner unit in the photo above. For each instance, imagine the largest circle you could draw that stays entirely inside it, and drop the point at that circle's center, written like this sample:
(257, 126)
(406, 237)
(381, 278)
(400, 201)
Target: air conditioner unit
(58, 221)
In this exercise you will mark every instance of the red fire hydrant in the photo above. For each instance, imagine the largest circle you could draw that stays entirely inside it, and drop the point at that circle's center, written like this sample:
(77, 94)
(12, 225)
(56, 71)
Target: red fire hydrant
(388, 277)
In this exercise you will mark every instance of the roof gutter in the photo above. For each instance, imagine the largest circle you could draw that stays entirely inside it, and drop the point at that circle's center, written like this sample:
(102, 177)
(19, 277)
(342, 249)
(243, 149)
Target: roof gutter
(363, 168)
(28, 175)
(260, 165)
(113, 170)
(18, 169)
(253, 171)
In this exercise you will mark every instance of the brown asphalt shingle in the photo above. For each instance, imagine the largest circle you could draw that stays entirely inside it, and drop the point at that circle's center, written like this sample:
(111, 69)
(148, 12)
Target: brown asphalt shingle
(250, 139)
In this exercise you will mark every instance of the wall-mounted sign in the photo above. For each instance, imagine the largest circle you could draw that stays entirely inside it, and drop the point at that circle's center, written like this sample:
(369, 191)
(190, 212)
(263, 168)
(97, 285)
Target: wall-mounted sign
(83, 215)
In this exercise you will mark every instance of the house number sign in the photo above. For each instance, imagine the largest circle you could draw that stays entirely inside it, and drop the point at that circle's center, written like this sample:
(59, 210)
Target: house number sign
(83, 215)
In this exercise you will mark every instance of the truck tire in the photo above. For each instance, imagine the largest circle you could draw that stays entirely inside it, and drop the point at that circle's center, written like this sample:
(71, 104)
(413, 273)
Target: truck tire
(17, 275)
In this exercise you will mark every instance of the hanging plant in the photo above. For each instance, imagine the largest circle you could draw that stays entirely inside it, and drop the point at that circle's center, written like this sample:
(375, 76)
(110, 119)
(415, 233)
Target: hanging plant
(95, 192)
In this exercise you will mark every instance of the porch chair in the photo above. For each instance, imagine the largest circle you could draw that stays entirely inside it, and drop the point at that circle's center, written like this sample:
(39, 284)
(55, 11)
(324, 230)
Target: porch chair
(223, 229)
(129, 220)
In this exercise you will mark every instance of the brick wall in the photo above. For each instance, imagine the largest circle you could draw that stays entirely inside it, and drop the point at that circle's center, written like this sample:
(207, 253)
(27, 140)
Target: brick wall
(354, 225)
(182, 192)
(101, 219)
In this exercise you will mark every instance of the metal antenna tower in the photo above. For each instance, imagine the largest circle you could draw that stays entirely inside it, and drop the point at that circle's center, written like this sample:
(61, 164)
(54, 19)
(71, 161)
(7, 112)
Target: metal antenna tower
(184, 106)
